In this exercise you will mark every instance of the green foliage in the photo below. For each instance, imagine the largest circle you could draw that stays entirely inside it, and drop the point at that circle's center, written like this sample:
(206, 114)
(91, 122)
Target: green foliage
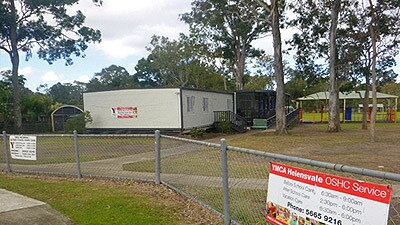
(5, 101)
(222, 127)
(67, 93)
(197, 133)
(392, 89)
(35, 106)
(78, 123)
(176, 63)
(112, 77)
(257, 82)
(228, 28)
(45, 25)
(353, 40)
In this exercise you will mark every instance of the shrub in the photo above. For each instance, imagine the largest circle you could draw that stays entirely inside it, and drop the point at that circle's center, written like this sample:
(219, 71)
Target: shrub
(197, 133)
(222, 127)
(78, 123)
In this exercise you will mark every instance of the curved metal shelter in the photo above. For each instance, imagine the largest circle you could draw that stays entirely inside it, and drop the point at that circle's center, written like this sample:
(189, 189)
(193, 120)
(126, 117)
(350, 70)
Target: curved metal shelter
(62, 114)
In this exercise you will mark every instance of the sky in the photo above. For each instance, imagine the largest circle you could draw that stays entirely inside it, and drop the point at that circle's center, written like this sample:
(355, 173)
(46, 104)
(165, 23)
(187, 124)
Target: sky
(127, 27)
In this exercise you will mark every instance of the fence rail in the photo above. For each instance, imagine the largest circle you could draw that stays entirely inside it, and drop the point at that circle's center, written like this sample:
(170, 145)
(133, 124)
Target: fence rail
(230, 181)
(236, 121)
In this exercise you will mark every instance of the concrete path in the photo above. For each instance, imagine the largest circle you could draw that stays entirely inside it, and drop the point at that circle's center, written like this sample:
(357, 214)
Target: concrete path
(16, 209)
(114, 168)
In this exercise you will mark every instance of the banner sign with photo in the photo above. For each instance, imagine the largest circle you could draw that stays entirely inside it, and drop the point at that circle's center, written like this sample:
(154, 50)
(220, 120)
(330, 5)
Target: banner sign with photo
(23, 147)
(302, 197)
(124, 112)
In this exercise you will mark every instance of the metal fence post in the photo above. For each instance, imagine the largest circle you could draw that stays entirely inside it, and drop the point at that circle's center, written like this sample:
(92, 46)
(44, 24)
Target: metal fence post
(8, 167)
(225, 185)
(157, 152)
(77, 159)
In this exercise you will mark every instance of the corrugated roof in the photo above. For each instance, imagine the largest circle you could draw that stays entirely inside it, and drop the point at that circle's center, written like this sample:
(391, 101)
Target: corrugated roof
(345, 95)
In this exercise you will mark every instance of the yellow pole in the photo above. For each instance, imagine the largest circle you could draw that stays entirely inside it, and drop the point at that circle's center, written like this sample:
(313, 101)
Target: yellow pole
(395, 109)
(314, 113)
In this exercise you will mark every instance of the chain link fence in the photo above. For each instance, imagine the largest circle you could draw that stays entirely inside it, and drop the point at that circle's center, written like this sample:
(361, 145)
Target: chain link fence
(232, 182)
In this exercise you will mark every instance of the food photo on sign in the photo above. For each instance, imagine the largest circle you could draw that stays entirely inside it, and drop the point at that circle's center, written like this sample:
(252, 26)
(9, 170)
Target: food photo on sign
(303, 197)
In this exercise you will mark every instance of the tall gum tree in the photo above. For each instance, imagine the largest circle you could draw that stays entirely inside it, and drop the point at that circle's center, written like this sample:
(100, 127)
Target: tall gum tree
(230, 26)
(274, 9)
(354, 46)
(278, 67)
(374, 38)
(45, 25)
(334, 119)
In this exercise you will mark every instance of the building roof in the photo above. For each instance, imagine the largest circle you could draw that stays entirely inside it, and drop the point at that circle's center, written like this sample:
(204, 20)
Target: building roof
(161, 88)
(344, 95)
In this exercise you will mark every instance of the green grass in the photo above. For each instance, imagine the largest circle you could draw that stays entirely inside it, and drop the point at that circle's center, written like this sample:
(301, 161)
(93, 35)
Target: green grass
(61, 149)
(205, 163)
(97, 202)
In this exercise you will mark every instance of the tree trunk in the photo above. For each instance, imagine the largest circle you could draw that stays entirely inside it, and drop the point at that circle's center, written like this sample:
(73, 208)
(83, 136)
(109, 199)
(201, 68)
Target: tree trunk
(365, 104)
(374, 38)
(334, 119)
(238, 70)
(278, 67)
(15, 65)
(225, 85)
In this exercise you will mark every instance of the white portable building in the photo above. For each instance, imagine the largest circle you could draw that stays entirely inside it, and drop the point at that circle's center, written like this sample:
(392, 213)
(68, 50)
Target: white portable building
(170, 109)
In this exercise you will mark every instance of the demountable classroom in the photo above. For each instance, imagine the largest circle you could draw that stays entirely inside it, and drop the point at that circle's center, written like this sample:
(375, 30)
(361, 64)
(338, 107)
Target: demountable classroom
(169, 109)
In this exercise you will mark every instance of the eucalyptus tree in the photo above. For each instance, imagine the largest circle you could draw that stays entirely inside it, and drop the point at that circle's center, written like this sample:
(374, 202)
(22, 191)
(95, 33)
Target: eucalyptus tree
(273, 16)
(110, 78)
(359, 57)
(354, 46)
(67, 93)
(228, 27)
(384, 30)
(177, 63)
(45, 26)
(334, 119)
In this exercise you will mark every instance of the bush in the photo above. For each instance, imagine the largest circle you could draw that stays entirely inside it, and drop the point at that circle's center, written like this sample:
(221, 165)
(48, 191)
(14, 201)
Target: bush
(78, 123)
(197, 133)
(222, 127)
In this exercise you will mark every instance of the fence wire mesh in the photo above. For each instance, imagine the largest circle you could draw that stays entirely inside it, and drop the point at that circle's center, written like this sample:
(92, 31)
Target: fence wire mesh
(248, 183)
(117, 156)
(194, 169)
(190, 167)
(54, 153)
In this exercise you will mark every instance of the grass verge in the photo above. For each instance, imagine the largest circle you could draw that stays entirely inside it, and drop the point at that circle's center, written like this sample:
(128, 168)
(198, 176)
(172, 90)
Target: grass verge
(109, 202)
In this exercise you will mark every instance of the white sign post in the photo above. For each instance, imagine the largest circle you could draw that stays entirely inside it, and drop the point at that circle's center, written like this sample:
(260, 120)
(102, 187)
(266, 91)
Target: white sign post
(23, 147)
(303, 197)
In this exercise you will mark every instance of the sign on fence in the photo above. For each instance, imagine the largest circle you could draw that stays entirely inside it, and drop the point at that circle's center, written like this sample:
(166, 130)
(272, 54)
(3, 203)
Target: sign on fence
(300, 197)
(23, 147)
